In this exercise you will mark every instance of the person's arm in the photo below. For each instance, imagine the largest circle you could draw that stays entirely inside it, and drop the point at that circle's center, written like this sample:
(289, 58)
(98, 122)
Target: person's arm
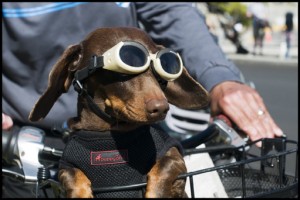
(181, 27)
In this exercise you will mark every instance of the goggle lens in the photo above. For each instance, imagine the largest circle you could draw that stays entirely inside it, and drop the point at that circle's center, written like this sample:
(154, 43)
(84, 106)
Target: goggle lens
(170, 62)
(133, 56)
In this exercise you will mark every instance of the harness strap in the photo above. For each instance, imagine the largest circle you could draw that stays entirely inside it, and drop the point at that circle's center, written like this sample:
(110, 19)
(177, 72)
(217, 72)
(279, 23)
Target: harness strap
(95, 63)
(100, 113)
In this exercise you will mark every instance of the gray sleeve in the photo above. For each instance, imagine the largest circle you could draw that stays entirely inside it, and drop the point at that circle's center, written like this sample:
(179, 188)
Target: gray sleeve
(182, 27)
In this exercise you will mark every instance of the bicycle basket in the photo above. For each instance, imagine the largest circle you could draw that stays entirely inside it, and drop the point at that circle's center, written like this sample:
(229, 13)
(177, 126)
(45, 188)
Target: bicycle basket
(263, 174)
(255, 172)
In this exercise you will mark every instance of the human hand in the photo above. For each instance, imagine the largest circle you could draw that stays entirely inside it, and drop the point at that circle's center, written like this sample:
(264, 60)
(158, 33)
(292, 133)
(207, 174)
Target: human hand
(245, 107)
(7, 122)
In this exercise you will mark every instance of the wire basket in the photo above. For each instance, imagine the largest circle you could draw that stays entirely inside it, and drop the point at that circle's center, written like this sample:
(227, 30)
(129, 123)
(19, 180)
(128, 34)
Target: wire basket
(257, 184)
(260, 175)
(248, 176)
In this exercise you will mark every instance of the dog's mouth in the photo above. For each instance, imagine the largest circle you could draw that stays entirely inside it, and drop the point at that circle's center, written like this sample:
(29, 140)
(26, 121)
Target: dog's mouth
(126, 121)
(122, 122)
(124, 125)
(130, 125)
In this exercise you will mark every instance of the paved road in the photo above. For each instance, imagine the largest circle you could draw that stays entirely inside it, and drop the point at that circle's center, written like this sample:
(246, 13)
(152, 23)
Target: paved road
(277, 82)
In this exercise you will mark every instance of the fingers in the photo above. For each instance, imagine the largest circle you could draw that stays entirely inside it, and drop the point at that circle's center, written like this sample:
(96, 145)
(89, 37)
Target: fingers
(7, 122)
(245, 107)
(261, 115)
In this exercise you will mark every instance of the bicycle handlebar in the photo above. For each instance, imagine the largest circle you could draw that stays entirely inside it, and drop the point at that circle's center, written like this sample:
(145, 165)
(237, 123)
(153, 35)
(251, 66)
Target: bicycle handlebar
(27, 145)
(25, 148)
(222, 127)
(200, 138)
(9, 141)
(33, 137)
(28, 134)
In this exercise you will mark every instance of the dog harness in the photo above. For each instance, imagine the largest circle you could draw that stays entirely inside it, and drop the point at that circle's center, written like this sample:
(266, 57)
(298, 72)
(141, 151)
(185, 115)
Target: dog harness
(111, 159)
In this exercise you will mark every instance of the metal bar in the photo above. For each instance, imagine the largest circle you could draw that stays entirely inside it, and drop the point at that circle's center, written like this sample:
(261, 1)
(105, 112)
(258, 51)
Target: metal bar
(192, 187)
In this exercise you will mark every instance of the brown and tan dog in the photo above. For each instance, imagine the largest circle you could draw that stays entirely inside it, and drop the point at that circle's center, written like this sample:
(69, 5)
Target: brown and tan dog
(132, 102)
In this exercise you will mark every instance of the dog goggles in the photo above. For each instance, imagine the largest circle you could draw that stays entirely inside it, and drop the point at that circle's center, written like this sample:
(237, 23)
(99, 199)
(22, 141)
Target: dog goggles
(132, 58)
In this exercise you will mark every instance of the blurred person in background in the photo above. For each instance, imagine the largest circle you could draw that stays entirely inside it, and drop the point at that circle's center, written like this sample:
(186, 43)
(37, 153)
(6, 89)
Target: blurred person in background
(257, 12)
(289, 25)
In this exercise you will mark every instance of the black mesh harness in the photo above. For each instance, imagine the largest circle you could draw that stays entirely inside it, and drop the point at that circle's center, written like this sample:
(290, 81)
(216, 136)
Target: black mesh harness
(117, 159)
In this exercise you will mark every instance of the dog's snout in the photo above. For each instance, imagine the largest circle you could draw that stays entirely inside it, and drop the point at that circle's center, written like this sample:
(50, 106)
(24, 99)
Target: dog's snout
(157, 109)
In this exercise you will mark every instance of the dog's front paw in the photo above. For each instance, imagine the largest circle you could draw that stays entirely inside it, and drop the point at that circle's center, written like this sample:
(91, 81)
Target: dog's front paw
(75, 183)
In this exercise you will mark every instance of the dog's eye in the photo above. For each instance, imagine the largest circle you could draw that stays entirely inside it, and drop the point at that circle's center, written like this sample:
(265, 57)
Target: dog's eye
(111, 76)
(125, 77)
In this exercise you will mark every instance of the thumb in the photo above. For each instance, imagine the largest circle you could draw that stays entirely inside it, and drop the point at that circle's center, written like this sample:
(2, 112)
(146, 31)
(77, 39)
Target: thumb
(6, 122)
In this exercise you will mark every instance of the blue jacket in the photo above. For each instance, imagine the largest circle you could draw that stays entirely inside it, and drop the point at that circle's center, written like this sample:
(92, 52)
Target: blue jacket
(34, 35)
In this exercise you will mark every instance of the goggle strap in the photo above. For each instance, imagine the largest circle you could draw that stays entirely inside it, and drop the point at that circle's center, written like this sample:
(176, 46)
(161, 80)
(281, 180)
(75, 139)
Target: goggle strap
(95, 63)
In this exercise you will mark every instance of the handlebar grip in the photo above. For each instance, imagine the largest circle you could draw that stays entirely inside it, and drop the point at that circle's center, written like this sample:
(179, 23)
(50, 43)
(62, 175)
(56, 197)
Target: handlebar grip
(200, 138)
(207, 134)
(9, 144)
(6, 137)
(224, 119)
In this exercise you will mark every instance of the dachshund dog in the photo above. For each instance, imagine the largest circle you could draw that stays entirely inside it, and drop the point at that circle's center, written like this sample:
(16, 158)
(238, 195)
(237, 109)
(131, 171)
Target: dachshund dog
(124, 83)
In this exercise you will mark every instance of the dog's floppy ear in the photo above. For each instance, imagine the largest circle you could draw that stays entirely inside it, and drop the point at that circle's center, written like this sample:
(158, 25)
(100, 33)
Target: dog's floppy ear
(60, 79)
(184, 92)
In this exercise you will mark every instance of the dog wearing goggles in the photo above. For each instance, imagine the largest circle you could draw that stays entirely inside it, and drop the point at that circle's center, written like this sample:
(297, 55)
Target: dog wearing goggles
(125, 83)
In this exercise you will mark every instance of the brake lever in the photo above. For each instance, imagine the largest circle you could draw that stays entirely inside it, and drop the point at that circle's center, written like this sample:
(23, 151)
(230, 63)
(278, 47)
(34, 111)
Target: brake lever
(229, 134)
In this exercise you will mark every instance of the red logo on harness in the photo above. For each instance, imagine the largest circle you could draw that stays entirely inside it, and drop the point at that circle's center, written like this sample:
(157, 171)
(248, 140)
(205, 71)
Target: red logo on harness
(109, 157)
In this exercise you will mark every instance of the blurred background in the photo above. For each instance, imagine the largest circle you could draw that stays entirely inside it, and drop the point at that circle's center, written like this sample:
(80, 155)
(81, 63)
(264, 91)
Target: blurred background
(274, 74)
(230, 17)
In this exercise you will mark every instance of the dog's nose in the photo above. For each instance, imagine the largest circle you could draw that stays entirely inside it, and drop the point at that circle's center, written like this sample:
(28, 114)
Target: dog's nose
(157, 109)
